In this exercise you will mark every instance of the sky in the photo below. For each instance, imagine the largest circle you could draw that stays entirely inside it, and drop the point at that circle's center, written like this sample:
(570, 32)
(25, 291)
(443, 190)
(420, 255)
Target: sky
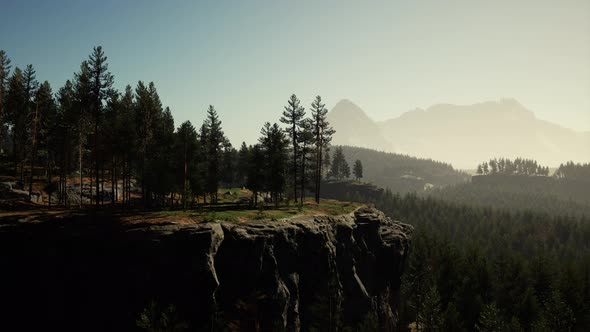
(247, 57)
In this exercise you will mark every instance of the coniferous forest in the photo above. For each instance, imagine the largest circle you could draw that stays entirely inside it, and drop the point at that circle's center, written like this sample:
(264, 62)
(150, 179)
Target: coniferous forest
(88, 143)
(490, 269)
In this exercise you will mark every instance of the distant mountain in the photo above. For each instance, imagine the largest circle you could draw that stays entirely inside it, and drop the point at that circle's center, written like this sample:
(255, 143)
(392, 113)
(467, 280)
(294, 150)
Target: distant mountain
(463, 135)
(355, 128)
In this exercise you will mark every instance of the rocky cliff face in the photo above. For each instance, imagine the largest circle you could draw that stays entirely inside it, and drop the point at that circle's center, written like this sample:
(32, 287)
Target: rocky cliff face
(289, 275)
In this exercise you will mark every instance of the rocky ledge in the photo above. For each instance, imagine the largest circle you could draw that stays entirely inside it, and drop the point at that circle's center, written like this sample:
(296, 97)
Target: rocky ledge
(304, 273)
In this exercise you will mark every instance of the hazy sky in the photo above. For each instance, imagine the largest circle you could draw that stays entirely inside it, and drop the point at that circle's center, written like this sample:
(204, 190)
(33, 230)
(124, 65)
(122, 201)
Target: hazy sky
(247, 57)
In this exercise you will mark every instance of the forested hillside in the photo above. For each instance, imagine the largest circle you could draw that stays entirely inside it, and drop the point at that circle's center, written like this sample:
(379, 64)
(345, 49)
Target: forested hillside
(567, 192)
(403, 173)
(486, 269)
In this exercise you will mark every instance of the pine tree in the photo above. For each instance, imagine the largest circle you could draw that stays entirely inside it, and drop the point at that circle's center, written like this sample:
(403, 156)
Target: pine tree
(101, 82)
(431, 316)
(255, 171)
(306, 141)
(293, 117)
(4, 75)
(31, 86)
(358, 170)
(274, 145)
(82, 96)
(186, 145)
(213, 140)
(489, 319)
(339, 168)
(50, 122)
(43, 103)
(161, 180)
(323, 136)
(558, 314)
(229, 157)
(242, 166)
(18, 118)
(65, 137)
(126, 132)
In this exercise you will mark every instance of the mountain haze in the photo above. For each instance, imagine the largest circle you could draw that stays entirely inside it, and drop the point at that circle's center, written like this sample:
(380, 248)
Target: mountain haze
(463, 135)
(355, 128)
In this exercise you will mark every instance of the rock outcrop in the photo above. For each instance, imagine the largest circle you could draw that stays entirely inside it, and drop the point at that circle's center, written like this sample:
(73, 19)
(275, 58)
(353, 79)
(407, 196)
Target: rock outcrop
(289, 275)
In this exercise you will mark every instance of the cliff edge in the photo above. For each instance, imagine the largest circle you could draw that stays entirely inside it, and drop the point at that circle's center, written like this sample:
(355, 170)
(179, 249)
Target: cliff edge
(295, 274)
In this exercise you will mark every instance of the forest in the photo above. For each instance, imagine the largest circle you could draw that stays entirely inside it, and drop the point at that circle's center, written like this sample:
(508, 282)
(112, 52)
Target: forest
(402, 173)
(489, 269)
(566, 192)
(89, 143)
(518, 166)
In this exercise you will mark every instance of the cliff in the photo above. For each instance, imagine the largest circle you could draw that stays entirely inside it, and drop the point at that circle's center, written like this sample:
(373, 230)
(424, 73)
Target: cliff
(287, 275)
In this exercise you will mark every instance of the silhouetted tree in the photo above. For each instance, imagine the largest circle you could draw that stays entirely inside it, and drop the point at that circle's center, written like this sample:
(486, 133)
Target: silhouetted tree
(274, 145)
(323, 136)
(256, 171)
(31, 86)
(100, 84)
(339, 168)
(65, 137)
(16, 104)
(358, 170)
(242, 166)
(82, 96)
(43, 105)
(213, 140)
(4, 74)
(187, 146)
(293, 116)
(306, 141)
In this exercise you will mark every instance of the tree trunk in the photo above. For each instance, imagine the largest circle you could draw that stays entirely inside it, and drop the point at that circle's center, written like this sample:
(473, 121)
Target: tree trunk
(184, 178)
(102, 184)
(80, 170)
(113, 183)
(15, 153)
(319, 176)
(33, 150)
(96, 168)
(50, 192)
(295, 161)
(302, 176)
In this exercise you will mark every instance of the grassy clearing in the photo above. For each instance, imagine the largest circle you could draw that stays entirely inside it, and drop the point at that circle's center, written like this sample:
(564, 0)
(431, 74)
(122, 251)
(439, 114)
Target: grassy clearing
(267, 212)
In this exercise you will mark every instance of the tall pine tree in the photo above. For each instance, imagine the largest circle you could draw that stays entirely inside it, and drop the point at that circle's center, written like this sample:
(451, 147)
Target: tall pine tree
(293, 117)
(323, 136)
(101, 82)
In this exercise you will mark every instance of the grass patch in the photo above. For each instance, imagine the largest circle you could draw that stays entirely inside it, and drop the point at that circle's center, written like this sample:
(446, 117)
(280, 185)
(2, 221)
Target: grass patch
(266, 212)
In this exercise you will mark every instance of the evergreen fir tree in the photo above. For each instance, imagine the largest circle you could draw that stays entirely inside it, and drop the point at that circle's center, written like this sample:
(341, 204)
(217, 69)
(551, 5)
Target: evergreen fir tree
(292, 117)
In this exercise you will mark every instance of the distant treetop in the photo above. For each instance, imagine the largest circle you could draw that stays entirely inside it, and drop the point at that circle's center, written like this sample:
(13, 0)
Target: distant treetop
(519, 166)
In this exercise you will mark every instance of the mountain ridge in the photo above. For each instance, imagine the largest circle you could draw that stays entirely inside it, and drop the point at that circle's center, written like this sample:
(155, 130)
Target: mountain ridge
(462, 135)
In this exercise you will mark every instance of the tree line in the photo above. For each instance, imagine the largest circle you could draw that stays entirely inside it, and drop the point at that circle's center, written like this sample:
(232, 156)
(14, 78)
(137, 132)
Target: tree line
(340, 170)
(571, 170)
(518, 166)
(118, 141)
